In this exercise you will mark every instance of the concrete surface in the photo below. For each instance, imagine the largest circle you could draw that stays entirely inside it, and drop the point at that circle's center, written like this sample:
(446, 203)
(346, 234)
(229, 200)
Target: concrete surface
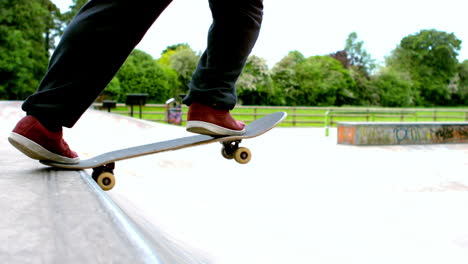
(53, 216)
(389, 133)
(302, 198)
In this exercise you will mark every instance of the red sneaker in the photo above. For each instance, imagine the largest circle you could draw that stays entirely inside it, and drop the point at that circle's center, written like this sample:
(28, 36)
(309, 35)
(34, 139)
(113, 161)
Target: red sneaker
(206, 120)
(35, 141)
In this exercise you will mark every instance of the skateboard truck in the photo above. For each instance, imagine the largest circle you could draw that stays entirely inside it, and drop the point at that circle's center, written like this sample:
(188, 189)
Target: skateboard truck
(231, 150)
(104, 176)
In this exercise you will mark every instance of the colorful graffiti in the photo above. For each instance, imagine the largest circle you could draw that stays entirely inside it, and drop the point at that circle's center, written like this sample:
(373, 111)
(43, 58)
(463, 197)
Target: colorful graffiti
(402, 133)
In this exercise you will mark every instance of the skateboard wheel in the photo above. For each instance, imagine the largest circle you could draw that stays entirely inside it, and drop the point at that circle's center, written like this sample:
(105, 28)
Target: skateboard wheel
(227, 155)
(106, 181)
(242, 155)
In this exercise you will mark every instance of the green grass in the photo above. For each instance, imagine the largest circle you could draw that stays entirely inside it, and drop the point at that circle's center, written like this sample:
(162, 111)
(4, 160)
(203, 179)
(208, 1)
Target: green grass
(315, 117)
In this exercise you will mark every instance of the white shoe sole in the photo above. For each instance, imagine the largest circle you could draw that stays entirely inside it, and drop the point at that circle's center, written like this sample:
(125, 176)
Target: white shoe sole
(36, 151)
(205, 128)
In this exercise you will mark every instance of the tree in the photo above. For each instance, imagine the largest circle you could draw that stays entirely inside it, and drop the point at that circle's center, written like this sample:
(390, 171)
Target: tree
(342, 56)
(113, 91)
(26, 29)
(142, 74)
(395, 89)
(183, 60)
(284, 77)
(255, 84)
(360, 65)
(323, 81)
(53, 25)
(167, 54)
(430, 58)
(458, 86)
(16, 66)
(357, 56)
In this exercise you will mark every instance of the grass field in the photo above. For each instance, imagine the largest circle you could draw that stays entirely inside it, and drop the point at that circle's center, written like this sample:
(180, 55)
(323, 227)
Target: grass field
(316, 116)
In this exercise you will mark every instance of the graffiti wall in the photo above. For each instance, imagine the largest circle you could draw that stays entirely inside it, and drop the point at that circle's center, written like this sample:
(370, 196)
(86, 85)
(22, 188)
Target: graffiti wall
(402, 133)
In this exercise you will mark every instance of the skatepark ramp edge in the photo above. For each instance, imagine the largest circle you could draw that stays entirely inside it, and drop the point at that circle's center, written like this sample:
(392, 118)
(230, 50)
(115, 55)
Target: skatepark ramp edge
(123, 223)
(62, 216)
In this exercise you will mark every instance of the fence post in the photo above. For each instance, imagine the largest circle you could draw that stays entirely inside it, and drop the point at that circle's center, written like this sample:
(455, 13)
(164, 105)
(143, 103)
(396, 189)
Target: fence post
(294, 116)
(327, 122)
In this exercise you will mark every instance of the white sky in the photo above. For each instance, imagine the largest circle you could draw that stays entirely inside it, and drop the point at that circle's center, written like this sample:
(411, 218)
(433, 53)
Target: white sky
(314, 27)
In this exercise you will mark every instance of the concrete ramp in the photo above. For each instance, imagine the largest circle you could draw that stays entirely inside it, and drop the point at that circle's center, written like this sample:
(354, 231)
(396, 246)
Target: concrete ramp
(302, 199)
(377, 133)
(56, 216)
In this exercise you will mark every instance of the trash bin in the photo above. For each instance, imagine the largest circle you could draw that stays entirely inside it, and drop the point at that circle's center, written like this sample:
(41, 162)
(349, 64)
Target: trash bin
(173, 112)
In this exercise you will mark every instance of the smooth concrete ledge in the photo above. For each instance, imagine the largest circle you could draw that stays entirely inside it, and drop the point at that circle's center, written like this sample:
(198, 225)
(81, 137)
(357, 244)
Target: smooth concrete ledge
(62, 216)
(383, 133)
(52, 216)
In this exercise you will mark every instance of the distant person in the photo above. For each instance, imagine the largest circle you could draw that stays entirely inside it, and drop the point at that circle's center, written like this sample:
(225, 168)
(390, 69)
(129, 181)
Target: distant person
(95, 45)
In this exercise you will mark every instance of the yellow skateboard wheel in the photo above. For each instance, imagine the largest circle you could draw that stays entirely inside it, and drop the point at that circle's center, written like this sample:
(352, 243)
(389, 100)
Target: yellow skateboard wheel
(106, 181)
(242, 155)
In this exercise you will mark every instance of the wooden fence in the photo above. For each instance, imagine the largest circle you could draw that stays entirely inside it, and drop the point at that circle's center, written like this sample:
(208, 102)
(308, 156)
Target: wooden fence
(315, 116)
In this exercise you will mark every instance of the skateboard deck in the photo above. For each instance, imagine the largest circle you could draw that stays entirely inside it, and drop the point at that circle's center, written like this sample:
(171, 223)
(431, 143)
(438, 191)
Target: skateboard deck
(103, 164)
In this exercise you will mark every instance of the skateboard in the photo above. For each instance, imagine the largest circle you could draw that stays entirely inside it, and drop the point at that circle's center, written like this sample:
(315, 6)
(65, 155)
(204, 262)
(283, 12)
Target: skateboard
(103, 165)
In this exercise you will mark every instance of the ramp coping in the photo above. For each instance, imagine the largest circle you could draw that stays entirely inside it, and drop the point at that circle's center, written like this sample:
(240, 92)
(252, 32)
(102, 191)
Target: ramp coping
(119, 218)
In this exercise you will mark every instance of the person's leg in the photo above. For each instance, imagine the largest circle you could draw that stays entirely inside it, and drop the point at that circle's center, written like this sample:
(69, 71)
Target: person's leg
(231, 37)
(90, 52)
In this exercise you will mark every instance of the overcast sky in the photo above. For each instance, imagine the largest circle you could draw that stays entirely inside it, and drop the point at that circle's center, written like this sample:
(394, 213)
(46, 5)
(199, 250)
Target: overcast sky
(314, 27)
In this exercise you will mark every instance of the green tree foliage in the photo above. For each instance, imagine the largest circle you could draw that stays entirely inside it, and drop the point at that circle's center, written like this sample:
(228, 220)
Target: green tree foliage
(184, 63)
(255, 84)
(113, 91)
(17, 79)
(321, 80)
(53, 21)
(463, 73)
(458, 86)
(26, 29)
(183, 60)
(394, 88)
(422, 71)
(142, 74)
(283, 76)
(317, 80)
(360, 65)
(342, 56)
(362, 92)
(430, 57)
(357, 56)
(167, 54)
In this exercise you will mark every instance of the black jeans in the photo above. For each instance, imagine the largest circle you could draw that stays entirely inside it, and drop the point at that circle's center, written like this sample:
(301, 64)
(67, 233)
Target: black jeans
(103, 34)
